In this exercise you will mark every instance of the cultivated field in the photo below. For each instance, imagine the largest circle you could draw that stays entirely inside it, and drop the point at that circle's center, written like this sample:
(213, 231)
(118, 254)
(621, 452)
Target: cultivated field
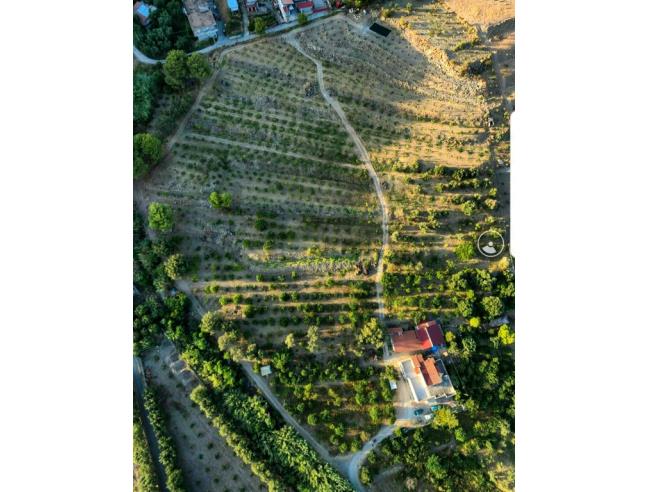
(206, 460)
(424, 121)
(299, 245)
(291, 262)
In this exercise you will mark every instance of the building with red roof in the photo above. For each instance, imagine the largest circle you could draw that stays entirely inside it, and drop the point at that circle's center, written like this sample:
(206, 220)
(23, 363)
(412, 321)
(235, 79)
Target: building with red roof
(424, 337)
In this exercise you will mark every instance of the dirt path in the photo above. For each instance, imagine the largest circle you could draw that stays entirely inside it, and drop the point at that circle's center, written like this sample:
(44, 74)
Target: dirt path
(355, 462)
(364, 156)
(274, 401)
(350, 464)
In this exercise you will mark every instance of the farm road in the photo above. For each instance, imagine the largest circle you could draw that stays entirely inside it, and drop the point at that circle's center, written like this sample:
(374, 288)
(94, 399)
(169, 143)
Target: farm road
(364, 156)
(353, 465)
(349, 465)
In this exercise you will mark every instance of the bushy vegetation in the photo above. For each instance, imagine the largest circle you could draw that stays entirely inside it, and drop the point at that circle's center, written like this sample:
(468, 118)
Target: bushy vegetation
(145, 478)
(168, 29)
(147, 151)
(168, 454)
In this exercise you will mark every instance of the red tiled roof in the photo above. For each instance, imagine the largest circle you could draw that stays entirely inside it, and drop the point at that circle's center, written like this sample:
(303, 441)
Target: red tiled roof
(304, 5)
(434, 332)
(424, 337)
(406, 341)
(428, 368)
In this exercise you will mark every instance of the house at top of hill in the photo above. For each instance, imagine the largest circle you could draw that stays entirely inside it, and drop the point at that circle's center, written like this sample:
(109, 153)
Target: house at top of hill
(233, 5)
(426, 336)
(252, 6)
(143, 12)
(201, 19)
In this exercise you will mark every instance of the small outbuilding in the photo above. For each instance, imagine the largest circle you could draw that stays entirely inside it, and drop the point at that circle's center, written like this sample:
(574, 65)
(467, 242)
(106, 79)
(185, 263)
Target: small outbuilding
(266, 370)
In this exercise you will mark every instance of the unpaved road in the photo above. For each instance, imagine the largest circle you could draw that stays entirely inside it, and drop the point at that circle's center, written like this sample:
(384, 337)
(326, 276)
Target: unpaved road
(364, 157)
(354, 464)
(348, 465)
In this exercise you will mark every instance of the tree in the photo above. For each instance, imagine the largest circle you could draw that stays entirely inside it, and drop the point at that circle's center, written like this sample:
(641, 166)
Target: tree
(174, 266)
(208, 322)
(312, 338)
(372, 334)
(465, 251)
(506, 336)
(147, 151)
(198, 66)
(290, 340)
(302, 19)
(160, 217)
(444, 418)
(175, 69)
(145, 89)
(474, 322)
(259, 25)
(220, 200)
(493, 306)
(374, 415)
(364, 475)
(435, 469)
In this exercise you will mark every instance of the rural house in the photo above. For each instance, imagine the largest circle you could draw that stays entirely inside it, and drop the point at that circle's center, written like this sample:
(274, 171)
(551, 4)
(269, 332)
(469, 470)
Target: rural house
(426, 336)
(143, 12)
(426, 378)
(201, 19)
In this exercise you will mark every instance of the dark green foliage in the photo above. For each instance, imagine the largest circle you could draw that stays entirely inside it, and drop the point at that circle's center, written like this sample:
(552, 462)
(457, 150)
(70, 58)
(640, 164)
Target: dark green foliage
(198, 66)
(168, 29)
(259, 25)
(168, 455)
(146, 90)
(160, 217)
(220, 200)
(147, 480)
(147, 151)
(176, 71)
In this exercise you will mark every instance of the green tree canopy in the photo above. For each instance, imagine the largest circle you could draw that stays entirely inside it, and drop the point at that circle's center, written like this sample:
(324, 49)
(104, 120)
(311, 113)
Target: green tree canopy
(220, 200)
(259, 25)
(302, 19)
(160, 217)
(208, 322)
(506, 336)
(176, 70)
(290, 340)
(174, 266)
(371, 334)
(147, 151)
(434, 468)
(198, 66)
(493, 306)
(312, 338)
(465, 251)
(444, 418)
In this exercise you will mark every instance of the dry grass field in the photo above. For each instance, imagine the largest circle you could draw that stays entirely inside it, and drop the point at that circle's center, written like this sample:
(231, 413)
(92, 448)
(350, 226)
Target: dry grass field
(483, 12)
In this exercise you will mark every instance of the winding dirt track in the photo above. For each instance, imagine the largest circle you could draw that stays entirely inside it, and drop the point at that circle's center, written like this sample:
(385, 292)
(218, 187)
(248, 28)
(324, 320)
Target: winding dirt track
(349, 464)
(356, 460)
